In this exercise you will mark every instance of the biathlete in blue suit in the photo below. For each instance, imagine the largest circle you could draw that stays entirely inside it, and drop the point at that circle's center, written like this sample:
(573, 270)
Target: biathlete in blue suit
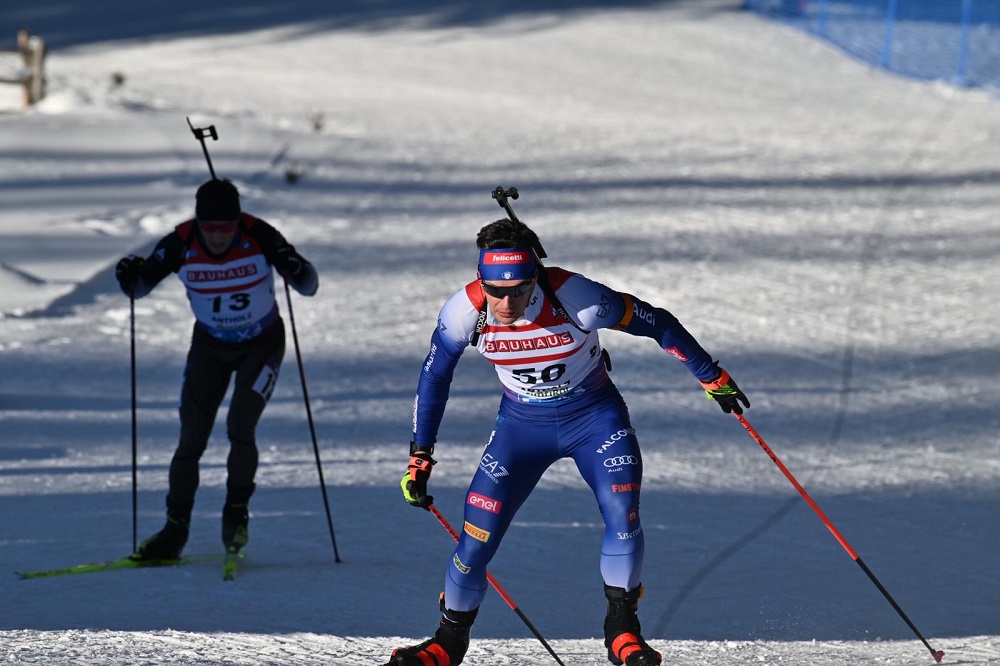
(538, 326)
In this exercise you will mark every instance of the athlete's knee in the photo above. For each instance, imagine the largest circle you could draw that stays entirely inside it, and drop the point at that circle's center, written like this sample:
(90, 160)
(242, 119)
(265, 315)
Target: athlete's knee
(191, 446)
(465, 586)
(242, 438)
(241, 424)
(622, 523)
(464, 575)
(619, 503)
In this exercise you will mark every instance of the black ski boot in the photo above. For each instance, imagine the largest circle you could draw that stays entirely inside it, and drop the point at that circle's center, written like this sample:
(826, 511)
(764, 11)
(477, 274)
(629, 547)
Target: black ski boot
(446, 648)
(622, 634)
(168, 543)
(236, 518)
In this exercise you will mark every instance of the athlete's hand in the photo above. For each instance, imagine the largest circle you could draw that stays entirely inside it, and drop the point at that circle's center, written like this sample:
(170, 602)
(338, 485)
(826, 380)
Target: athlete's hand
(288, 262)
(723, 390)
(414, 483)
(127, 273)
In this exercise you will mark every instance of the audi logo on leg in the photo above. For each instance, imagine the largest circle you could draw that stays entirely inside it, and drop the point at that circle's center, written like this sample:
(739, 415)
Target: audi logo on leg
(618, 461)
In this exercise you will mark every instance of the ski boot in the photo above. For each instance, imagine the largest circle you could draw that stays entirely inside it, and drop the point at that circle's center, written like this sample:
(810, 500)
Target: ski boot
(168, 543)
(236, 518)
(446, 648)
(622, 634)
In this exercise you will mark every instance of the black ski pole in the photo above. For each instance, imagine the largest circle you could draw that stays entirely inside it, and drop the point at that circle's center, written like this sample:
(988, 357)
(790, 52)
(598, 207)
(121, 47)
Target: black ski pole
(135, 484)
(937, 654)
(312, 427)
(496, 586)
(200, 133)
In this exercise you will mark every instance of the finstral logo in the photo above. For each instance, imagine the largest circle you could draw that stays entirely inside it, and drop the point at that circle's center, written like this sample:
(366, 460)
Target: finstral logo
(505, 258)
(483, 502)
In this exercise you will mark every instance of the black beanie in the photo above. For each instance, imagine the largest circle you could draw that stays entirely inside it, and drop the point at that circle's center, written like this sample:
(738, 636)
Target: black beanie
(217, 200)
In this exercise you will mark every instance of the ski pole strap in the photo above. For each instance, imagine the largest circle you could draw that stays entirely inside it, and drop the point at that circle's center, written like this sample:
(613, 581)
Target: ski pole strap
(718, 382)
(420, 463)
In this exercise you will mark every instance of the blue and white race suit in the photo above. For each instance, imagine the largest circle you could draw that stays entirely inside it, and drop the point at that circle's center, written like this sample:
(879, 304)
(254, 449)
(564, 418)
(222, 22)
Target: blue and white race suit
(558, 402)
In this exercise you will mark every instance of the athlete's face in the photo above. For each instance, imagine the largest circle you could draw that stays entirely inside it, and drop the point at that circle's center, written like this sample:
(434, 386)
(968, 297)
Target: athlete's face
(508, 298)
(218, 234)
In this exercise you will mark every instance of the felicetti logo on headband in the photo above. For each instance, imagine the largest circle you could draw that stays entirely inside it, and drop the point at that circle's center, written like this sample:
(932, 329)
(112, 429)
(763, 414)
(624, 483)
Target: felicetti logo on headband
(493, 258)
(512, 263)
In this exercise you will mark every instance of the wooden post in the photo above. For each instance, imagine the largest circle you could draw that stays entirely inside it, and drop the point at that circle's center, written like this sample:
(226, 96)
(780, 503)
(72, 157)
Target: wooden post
(32, 49)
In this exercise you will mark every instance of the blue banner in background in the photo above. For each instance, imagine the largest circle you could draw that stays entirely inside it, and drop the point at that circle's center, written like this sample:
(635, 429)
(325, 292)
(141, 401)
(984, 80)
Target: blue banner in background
(957, 41)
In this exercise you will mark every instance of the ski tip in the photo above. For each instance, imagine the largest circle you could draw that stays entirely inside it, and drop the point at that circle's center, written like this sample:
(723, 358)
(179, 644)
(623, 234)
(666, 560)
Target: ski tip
(938, 656)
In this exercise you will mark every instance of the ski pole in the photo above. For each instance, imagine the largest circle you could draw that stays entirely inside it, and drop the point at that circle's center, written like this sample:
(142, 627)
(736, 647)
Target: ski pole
(496, 586)
(312, 427)
(135, 484)
(200, 133)
(937, 654)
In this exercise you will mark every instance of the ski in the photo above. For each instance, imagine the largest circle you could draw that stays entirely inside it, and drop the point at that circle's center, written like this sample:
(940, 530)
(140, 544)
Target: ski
(114, 565)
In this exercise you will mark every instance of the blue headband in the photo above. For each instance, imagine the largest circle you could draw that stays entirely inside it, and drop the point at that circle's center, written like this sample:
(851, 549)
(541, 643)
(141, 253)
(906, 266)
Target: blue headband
(507, 264)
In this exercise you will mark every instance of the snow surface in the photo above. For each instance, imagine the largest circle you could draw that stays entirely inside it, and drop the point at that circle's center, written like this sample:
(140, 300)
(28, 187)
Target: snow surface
(828, 231)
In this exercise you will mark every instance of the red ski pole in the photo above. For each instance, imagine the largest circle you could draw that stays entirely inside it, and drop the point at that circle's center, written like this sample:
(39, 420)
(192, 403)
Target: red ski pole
(500, 590)
(937, 654)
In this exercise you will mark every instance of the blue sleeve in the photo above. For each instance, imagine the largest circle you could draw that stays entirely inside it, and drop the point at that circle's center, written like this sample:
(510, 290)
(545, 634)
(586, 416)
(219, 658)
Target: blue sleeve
(641, 318)
(594, 305)
(433, 388)
(455, 327)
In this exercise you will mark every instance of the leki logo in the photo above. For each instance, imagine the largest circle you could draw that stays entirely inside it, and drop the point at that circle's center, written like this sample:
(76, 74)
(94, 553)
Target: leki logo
(483, 502)
(477, 533)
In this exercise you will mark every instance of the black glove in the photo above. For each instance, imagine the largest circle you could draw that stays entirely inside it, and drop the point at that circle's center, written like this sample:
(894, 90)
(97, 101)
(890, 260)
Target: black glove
(288, 262)
(414, 483)
(127, 272)
(724, 391)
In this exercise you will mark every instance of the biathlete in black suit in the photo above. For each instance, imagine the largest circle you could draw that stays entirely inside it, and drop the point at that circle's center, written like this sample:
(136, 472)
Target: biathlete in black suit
(224, 258)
